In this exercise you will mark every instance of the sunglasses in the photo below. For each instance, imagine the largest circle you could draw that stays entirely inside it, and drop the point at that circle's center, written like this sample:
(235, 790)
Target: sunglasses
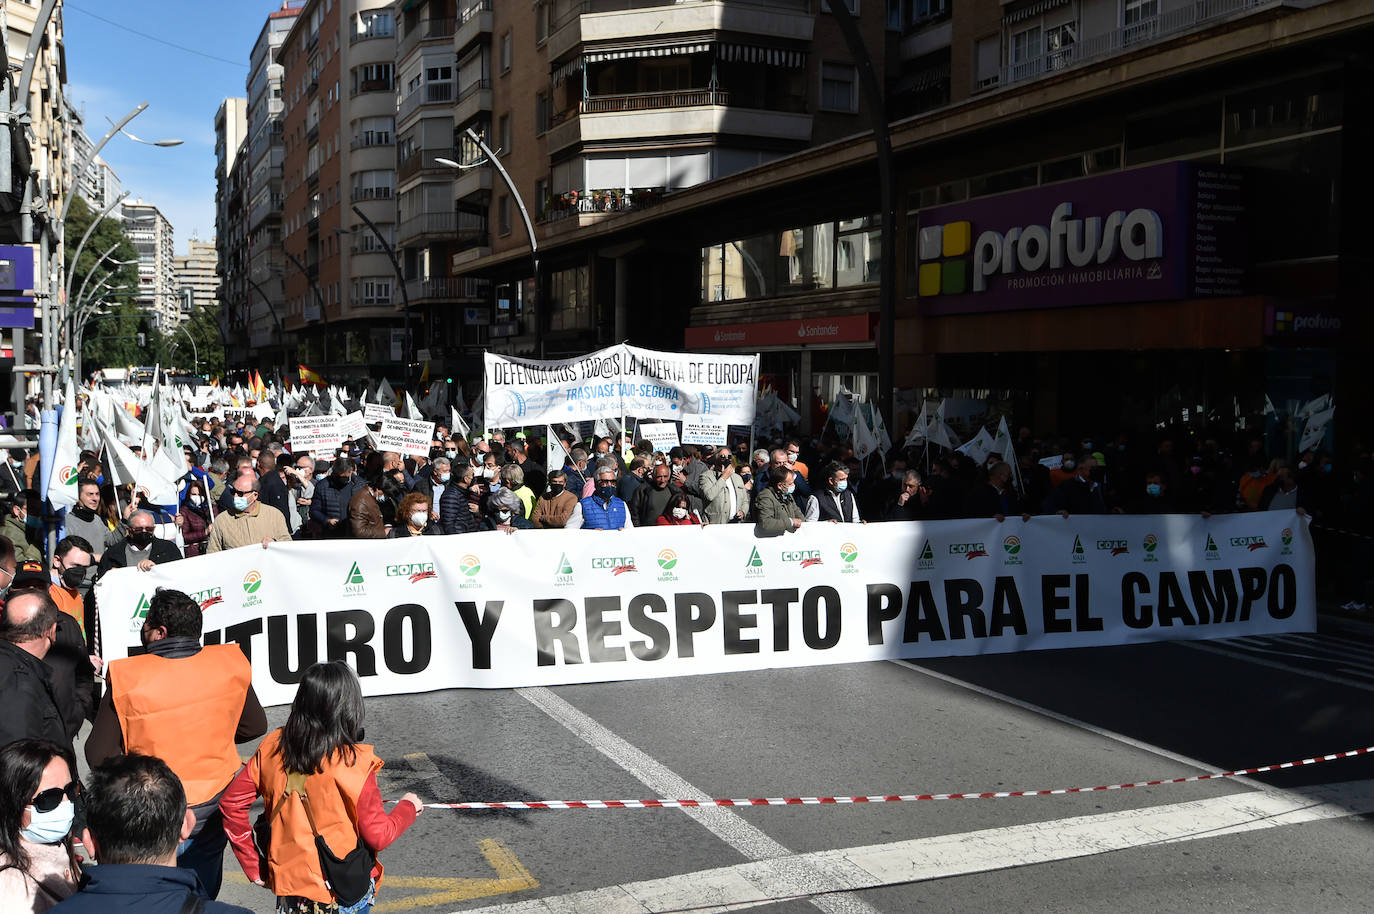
(49, 799)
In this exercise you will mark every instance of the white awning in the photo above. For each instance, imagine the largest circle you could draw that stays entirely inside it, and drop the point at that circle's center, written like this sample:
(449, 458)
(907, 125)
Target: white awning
(670, 50)
(777, 57)
(1032, 9)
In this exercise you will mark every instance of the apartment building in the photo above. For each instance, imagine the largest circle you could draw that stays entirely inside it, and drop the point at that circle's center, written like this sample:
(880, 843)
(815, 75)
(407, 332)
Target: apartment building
(197, 279)
(263, 309)
(151, 234)
(339, 99)
(231, 226)
(99, 186)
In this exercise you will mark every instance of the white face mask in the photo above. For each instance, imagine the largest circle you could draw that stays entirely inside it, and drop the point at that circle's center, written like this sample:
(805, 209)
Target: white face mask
(503, 516)
(52, 826)
(680, 513)
(419, 518)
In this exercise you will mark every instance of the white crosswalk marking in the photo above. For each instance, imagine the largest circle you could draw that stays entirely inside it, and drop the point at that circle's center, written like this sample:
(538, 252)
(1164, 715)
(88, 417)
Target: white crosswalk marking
(1331, 658)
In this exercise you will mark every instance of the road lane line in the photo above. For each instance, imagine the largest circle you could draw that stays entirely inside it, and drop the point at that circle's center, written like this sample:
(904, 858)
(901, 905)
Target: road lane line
(1274, 664)
(769, 855)
(749, 885)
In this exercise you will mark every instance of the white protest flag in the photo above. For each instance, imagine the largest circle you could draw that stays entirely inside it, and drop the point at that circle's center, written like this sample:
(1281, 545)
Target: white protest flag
(601, 430)
(152, 418)
(865, 443)
(62, 483)
(554, 455)
(126, 427)
(169, 462)
(842, 410)
(283, 418)
(1312, 407)
(385, 394)
(940, 433)
(336, 407)
(479, 418)
(979, 447)
(457, 425)
(127, 468)
(880, 429)
(461, 404)
(1269, 407)
(1006, 449)
(1315, 430)
(917, 435)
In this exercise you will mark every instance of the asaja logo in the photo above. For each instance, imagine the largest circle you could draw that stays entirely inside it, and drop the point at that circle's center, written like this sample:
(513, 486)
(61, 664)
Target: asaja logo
(1151, 544)
(1249, 542)
(353, 584)
(1210, 552)
(1286, 538)
(753, 566)
(1011, 549)
(849, 552)
(805, 557)
(616, 564)
(140, 613)
(1078, 556)
(563, 573)
(1115, 547)
(969, 551)
(252, 582)
(667, 561)
(925, 559)
(417, 571)
(564, 566)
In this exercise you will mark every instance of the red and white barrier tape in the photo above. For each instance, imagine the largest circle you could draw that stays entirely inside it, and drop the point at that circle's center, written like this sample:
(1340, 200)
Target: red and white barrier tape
(896, 798)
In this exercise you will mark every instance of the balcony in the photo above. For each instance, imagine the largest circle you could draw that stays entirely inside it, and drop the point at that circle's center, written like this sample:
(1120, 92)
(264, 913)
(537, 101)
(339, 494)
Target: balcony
(370, 85)
(628, 20)
(660, 115)
(428, 94)
(425, 30)
(374, 30)
(473, 100)
(447, 288)
(370, 140)
(422, 159)
(427, 224)
(360, 194)
(577, 204)
(474, 22)
(1192, 17)
(471, 181)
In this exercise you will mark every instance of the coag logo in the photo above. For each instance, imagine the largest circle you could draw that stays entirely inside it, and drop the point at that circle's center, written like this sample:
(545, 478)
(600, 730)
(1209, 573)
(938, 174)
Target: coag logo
(1115, 547)
(416, 571)
(616, 564)
(804, 557)
(667, 559)
(945, 265)
(969, 551)
(848, 553)
(252, 581)
(1249, 542)
(207, 598)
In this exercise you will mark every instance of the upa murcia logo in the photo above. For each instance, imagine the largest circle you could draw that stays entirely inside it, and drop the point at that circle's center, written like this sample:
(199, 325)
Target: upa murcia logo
(1078, 556)
(1210, 552)
(353, 584)
(1286, 539)
(753, 566)
(563, 574)
(615, 564)
(252, 583)
(969, 551)
(67, 476)
(1151, 547)
(1250, 543)
(1115, 547)
(849, 556)
(925, 559)
(804, 557)
(667, 561)
(417, 571)
(1011, 550)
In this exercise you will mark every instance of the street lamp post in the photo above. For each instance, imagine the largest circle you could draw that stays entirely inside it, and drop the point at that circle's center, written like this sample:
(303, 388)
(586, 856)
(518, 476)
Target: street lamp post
(195, 353)
(400, 282)
(281, 332)
(319, 300)
(524, 215)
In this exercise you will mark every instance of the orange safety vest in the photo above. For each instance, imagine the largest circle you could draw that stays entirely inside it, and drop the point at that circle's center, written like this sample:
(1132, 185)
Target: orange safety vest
(293, 863)
(70, 602)
(185, 711)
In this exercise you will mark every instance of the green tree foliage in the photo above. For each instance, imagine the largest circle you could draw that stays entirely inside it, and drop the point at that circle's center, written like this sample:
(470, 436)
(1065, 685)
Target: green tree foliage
(110, 335)
(202, 325)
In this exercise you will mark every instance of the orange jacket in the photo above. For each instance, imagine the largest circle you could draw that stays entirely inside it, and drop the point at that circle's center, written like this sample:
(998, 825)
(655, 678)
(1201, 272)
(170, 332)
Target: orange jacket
(71, 603)
(185, 711)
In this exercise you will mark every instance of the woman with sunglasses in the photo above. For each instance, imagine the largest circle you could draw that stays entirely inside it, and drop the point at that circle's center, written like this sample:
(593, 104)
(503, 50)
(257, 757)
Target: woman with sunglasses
(38, 790)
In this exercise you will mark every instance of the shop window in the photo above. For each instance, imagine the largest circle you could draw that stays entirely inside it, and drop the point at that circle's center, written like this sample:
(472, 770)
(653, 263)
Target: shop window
(858, 252)
(1003, 181)
(569, 299)
(839, 87)
(1287, 109)
(1182, 132)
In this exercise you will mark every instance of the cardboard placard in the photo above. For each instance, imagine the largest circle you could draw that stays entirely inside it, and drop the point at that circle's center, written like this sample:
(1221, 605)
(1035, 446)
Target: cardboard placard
(704, 430)
(315, 433)
(408, 436)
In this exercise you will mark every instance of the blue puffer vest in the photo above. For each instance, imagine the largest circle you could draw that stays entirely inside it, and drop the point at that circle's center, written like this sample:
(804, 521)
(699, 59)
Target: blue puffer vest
(597, 515)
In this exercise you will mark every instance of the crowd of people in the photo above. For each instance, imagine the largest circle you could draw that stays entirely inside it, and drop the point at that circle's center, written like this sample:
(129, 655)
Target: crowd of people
(244, 487)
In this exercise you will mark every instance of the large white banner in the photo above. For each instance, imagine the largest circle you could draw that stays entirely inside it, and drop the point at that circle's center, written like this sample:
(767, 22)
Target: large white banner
(491, 610)
(619, 381)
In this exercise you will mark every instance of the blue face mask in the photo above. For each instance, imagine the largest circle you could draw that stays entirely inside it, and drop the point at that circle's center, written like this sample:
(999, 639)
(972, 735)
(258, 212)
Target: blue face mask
(1328, 468)
(445, 477)
(49, 827)
(841, 485)
(240, 503)
(606, 492)
(1154, 490)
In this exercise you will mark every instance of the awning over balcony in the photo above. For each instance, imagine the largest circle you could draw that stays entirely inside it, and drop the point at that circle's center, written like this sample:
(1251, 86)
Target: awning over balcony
(1032, 9)
(730, 52)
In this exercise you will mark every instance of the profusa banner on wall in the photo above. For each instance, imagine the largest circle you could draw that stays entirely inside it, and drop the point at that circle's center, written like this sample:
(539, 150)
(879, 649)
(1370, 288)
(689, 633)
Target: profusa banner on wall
(620, 381)
(490, 610)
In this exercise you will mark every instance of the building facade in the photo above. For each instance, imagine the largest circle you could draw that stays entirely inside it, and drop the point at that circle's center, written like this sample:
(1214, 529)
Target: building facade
(231, 225)
(151, 234)
(197, 277)
(98, 185)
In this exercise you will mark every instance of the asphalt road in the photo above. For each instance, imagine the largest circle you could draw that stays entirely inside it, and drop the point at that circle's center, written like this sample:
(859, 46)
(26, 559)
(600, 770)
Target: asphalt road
(1297, 839)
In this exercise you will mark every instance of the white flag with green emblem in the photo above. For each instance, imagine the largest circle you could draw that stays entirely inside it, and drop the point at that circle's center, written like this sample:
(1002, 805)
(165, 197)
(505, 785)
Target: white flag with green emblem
(62, 485)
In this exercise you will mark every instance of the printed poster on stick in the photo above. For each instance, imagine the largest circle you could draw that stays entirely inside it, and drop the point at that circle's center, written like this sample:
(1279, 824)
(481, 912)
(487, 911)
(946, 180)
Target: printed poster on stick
(704, 430)
(377, 412)
(409, 436)
(662, 435)
(315, 433)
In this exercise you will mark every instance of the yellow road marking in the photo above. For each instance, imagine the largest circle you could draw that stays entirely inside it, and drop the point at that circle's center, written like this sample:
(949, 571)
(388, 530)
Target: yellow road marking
(511, 876)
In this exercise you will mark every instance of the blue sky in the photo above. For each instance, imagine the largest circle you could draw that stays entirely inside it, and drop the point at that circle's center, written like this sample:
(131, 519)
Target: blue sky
(110, 70)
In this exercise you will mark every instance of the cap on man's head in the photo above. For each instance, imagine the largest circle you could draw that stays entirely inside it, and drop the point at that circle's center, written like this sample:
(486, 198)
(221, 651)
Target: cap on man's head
(30, 576)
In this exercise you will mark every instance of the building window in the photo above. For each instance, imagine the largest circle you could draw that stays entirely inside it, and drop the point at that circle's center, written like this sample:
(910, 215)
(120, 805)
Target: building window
(1025, 45)
(541, 23)
(372, 77)
(541, 195)
(988, 52)
(503, 214)
(541, 113)
(374, 131)
(504, 132)
(570, 299)
(373, 185)
(1059, 45)
(372, 290)
(839, 82)
(1140, 18)
(507, 52)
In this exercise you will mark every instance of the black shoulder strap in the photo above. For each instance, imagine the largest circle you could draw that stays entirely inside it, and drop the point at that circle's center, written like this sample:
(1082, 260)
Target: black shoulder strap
(194, 903)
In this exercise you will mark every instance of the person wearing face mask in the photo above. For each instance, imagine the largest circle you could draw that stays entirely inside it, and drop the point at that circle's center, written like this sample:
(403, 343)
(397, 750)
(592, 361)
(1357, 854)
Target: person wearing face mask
(1154, 498)
(776, 507)
(553, 508)
(248, 521)
(17, 527)
(188, 705)
(456, 514)
(12, 476)
(329, 506)
(38, 790)
(603, 509)
(28, 630)
(535, 476)
(141, 549)
(365, 520)
(72, 666)
(505, 512)
(432, 484)
(1080, 494)
(412, 517)
(678, 513)
(1253, 483)
(835, 502)
(194, 519)
(779, 458)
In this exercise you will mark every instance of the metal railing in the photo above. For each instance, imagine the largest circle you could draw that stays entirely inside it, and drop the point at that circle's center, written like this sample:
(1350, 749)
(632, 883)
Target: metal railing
(472, 9)
(379, 31)
(370, 193)
(422, 158)
(368, 140)
(1198, 14)
(648, 101)
(447, 287)
(428, 94)
(428, 224)
(592, 7)
(595, 202)
(370, 85)
(425, 30)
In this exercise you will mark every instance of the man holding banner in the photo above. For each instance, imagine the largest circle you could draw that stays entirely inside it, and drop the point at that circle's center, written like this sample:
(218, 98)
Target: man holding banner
(603, 509)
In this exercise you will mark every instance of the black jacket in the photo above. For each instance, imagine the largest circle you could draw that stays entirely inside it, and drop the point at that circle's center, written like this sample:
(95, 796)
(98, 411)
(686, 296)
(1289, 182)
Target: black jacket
(272, 491)
(31, 705)
(825, 504)
(331, 503)
(73, 677)
(116, 557)
(454, 516)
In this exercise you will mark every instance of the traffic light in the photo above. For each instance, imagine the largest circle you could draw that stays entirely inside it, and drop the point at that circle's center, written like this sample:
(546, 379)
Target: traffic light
(448, 380)
(142, 339)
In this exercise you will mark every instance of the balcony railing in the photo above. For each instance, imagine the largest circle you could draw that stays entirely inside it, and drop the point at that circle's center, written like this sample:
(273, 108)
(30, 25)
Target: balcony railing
(428, 94)
(647, 101)
(360, 194)
(369, 140)
(471, 9)
(1195, 15)
(421, 159)
(577, 203)
(370, 85)
(447, 288)
(428, 224)
(425, 30)
(375, 30)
